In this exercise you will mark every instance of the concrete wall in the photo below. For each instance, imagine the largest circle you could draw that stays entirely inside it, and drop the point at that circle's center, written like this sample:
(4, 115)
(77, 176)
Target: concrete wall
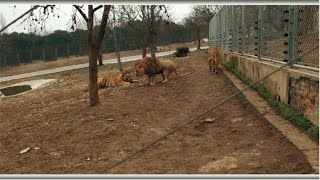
(296, 87)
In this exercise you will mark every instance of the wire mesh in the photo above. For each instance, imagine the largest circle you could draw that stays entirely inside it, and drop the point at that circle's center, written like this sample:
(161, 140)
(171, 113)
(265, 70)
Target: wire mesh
(250, 31)
(63, 50)
(12, 58)
(223, 28)
(236, 45)
(25, 56)
(50, 53)
(228, 26)
(219, 30)
(3, 60)
(15, 52)
(275, 27)
(308, 34)
(278, 32)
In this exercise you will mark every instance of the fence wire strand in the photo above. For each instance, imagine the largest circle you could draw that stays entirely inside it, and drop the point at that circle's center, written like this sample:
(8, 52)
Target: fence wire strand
(279, 32)
(205, 112)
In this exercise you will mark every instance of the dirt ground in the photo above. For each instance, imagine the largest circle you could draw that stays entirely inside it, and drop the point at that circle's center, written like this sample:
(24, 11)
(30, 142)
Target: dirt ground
(43, 65)
(74, 138)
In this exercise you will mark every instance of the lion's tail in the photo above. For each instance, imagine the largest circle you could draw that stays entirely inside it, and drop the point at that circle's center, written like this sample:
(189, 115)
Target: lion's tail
(181, 75)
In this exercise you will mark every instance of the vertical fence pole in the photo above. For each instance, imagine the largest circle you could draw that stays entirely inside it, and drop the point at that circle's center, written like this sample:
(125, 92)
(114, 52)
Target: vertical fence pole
(293, 27)
(5, 59)
(217, 44)
(260, 32)
(233, 28)
(68, 50)
(30, 54)
(56, 52)
(216, 29)
(226, 32)
(80, 49)
(44, 53)
(18, 58)
(210, 29)
(242, 29)
(221, 29)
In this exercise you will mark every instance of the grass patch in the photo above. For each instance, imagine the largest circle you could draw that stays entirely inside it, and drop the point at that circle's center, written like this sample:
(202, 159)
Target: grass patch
(285, 110)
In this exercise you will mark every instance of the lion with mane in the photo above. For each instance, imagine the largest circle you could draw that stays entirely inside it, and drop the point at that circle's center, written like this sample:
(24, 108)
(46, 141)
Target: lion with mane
(151, 67)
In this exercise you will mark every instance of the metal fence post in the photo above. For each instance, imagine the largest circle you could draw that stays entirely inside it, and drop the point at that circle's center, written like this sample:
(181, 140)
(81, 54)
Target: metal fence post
(43, 53)
(216, 34)
(209, 39)
(223, 26)
(260, 32)
(18, 58)
(30, 54)
(68, 50)
(80, 49)
(56, 52)
(226, 44)
(221, 29)
(213, 33)
(242, 29)
(293, 27)
(233, 28)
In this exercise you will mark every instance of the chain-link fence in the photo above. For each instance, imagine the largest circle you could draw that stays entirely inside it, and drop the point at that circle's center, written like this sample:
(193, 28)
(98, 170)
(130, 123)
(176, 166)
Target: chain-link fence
(268, 31)
(12, 55)
(308, 34)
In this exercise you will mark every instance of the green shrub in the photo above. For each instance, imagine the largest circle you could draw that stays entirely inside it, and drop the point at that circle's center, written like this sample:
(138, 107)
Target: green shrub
(181, 51)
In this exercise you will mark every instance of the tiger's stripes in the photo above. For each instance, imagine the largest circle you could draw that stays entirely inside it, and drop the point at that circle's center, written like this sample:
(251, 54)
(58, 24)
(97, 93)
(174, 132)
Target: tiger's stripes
(113, 80)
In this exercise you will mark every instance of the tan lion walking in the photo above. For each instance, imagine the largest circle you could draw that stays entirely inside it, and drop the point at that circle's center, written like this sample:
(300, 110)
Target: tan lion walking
(214, 59)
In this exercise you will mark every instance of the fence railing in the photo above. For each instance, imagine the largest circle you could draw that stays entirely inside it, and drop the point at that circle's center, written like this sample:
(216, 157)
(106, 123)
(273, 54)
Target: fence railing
(268, 31)
(14, 57)
(11, 56)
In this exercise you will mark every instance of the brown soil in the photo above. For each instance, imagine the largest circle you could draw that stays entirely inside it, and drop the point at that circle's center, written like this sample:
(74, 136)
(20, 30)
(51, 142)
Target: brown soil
(74, 138)
(61, 62)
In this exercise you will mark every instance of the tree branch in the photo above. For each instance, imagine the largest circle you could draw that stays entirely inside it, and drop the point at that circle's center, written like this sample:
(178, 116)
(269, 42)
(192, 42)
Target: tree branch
(96, 8)
(30, 10)
(143, 15)
(104, 20)
(90, 27)
(81, 12)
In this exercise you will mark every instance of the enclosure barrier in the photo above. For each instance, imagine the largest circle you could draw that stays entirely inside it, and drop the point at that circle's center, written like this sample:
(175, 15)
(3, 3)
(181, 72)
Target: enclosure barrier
(12, 53)
(274, 32)
(9, 56)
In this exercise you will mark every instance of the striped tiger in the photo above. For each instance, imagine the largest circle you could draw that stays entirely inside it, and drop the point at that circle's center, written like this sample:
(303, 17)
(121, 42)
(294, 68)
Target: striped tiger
(113, 80)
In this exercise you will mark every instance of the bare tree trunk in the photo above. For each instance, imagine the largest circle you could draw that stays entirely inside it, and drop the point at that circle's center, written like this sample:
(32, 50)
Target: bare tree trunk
(152, 45)
(93, 70)
(116, 40)
(119, 61)
(100, 59)
(198, 34)
(144, 48)
(117, 44)
(94, 44)
(93, 77)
